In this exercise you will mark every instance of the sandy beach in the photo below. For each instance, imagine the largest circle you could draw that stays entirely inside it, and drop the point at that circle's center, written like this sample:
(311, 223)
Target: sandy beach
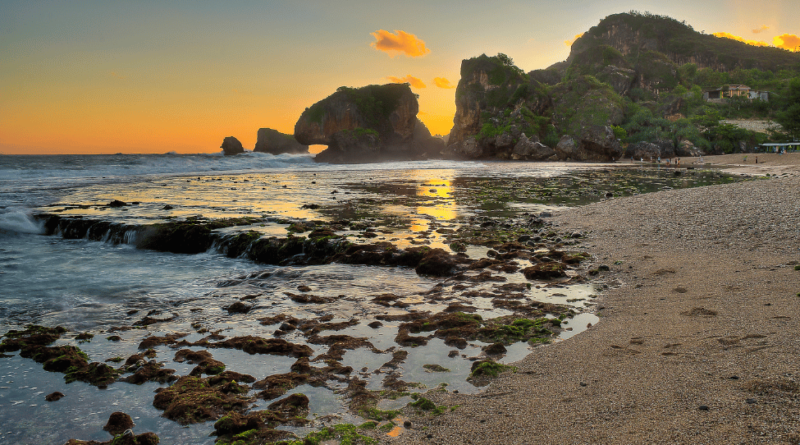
(698, 335)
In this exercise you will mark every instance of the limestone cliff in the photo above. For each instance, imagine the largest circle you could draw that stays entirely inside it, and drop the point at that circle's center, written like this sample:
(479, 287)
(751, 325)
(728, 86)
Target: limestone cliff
(496, 105)
(372, 123)
(274, 142)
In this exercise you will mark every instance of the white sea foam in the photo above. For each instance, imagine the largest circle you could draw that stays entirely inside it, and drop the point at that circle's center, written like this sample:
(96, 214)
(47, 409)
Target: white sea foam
(20, 222)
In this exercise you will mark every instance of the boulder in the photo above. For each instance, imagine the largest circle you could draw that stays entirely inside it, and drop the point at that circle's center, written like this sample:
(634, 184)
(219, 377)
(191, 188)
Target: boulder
(598, 143)
(118, 422)
(274, 142)
(642, 150)
(566, 148)
(468, 148)
(527, 149)
(231, 146)
(686, 149)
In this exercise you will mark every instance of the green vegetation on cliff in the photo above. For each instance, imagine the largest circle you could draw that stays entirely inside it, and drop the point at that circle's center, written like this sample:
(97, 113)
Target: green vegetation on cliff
(645, 76)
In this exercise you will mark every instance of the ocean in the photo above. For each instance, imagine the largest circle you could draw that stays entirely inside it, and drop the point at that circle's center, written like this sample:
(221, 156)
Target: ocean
(70, 256)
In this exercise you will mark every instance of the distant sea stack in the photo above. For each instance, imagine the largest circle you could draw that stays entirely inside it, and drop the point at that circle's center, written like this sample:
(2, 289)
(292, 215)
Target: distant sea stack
(231, 146)
(276, 143)
(369, 124)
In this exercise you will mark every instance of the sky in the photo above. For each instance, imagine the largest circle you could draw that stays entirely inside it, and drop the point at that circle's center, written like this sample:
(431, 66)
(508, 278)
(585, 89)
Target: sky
(159, 76)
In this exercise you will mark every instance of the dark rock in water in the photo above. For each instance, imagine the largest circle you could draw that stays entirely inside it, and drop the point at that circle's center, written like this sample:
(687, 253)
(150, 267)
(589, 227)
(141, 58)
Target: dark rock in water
(238, 308)
(286, 327)
(117, 203)
(274, 142)
(54, 397)
(544, 271)
(167, 207)
(293, 405)
(126, 438)
(375, 324)
(436, 262)
(118, 422)
(194, 399)
(231, 146)
(495, 349)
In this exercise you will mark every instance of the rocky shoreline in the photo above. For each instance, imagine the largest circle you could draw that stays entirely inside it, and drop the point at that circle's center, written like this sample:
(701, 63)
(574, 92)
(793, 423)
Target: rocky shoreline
(696, 342)
(515, 254)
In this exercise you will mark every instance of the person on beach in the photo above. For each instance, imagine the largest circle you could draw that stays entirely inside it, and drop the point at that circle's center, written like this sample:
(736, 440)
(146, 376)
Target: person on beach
(659, 159)
(677, 162)
(756, 159)
(667, 162)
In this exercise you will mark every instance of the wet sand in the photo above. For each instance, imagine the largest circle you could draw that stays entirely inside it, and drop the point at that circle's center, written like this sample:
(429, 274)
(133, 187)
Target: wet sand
(697, 341)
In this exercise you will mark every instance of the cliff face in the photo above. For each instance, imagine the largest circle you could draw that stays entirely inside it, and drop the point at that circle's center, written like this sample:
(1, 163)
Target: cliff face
(496, 103)
(503, 113)
(375, 122)
(275, 142)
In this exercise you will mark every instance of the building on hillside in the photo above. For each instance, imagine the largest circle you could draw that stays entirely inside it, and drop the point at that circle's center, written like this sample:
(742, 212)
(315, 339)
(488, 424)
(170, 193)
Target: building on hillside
(735, 91)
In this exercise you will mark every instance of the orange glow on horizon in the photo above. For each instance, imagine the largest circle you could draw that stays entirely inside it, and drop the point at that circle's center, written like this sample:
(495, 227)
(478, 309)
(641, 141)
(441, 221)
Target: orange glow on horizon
(727, 35)
(787, 41)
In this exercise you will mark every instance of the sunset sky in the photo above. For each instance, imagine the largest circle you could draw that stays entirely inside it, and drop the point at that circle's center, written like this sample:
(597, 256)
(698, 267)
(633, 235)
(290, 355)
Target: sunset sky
(153, 76)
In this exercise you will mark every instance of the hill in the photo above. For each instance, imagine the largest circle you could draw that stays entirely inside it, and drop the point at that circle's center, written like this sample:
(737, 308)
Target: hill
(639, 75)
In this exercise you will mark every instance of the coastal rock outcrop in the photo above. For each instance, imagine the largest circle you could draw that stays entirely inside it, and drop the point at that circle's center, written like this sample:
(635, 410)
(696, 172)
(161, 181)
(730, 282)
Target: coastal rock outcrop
(503, 113)
(532, 149)
(651, 151)
(231, 146)
(372, 123)
(596, 144)
(496, 102)
(274, 142)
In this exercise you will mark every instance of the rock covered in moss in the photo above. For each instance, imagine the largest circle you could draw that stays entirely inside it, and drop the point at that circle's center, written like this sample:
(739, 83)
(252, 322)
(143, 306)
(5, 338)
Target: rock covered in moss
(118, 422)
(193, 399)
(371, 123)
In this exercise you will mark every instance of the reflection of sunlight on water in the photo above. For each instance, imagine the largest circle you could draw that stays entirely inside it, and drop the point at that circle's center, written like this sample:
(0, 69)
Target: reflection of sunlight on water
(442, 190)
(444, 212)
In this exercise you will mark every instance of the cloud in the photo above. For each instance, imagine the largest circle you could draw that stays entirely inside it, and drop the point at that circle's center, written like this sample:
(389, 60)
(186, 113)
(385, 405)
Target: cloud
(760, 30)
(414, 81)
(441, 82)
(727, 35)
(787, 41)
(570, 42)
(118, 76)
(400, 42)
